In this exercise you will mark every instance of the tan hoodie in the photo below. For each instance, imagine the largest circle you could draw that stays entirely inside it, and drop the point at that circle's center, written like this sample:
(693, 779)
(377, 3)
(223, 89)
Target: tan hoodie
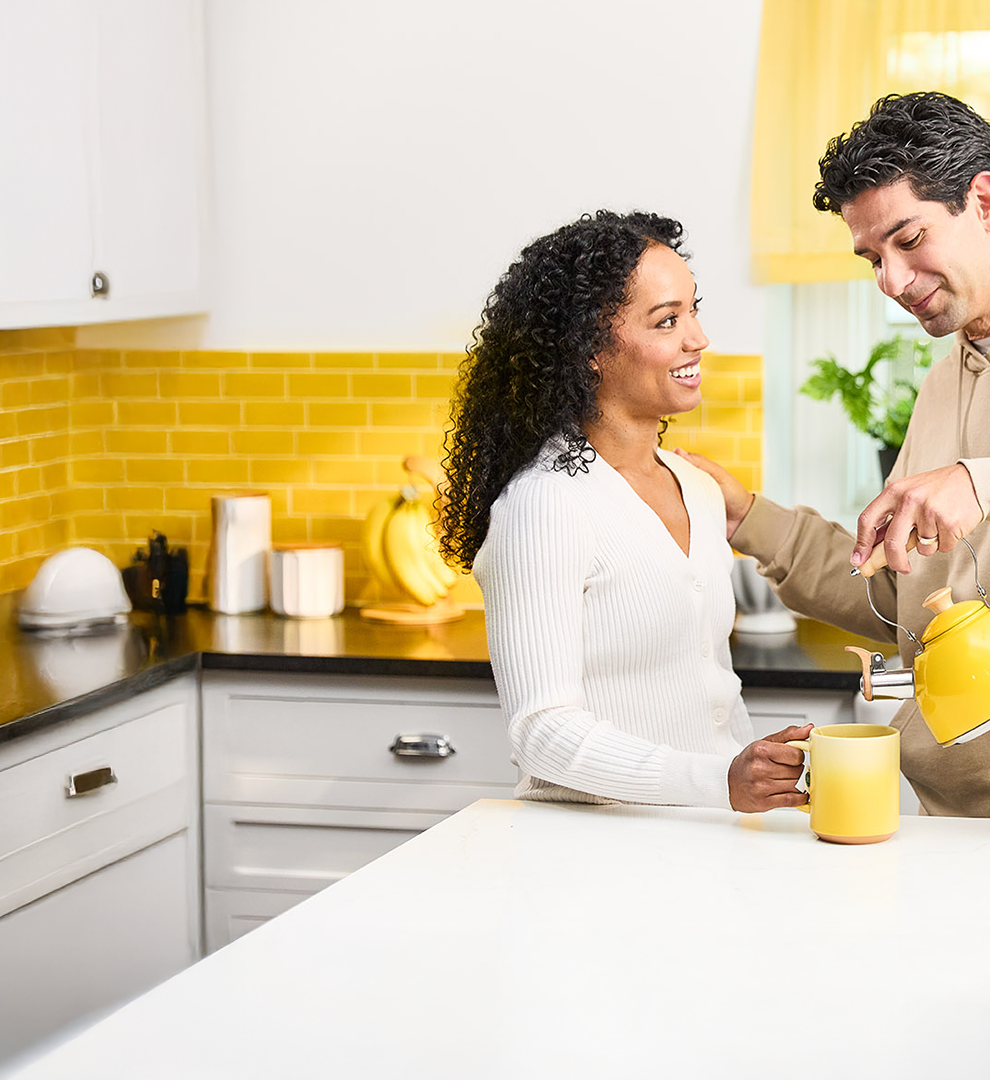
(806, 558)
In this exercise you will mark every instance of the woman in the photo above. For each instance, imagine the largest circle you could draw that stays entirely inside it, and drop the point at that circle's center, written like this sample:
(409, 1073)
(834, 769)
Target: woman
(601, 557)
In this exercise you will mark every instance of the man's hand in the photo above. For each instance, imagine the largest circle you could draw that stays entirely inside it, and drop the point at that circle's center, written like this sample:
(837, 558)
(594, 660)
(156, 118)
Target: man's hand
(737, 498)
(762, 776)
(941, 505)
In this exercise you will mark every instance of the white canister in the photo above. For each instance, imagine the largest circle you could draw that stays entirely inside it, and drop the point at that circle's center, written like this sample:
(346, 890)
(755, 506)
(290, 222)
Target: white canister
(242, 538)
(307, 580)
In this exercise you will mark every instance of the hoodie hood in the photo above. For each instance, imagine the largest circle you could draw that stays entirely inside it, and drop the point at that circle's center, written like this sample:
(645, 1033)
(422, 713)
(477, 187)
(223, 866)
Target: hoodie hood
(973, 360)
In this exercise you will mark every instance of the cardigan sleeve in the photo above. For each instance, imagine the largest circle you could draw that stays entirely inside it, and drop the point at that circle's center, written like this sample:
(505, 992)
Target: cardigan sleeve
(533, 569)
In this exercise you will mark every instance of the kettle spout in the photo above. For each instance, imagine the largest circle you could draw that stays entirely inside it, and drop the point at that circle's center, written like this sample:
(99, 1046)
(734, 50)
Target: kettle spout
(877, 681)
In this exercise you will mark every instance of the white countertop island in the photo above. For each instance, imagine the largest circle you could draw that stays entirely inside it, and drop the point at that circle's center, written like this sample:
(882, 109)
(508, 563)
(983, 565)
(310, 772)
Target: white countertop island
(528, 940)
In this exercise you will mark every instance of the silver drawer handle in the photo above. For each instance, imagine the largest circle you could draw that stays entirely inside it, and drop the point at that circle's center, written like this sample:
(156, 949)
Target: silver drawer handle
(428, 746)
(85, 783)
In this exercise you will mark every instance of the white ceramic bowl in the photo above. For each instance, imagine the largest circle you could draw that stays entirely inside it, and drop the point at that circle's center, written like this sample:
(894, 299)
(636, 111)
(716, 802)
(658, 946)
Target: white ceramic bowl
(77, 585)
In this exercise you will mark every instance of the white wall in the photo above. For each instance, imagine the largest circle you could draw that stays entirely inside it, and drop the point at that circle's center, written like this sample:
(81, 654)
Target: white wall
(378, 163)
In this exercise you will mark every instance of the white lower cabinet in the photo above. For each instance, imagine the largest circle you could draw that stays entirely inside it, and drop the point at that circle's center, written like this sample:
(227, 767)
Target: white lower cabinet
(773, 710)
(99, 863)
(307, 778)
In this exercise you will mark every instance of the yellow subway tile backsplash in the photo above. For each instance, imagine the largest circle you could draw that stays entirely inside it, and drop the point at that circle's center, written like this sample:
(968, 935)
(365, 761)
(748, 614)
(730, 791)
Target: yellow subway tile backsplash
(281, 471)
(100, 470)
(254, 384)
(311, 502)
(274, 414)
(434, 386)
(29, 480)
(317, 384)
(197, 413)
(359, 361)
(59, 363)
(339, 415)
(149, 358)
(83, 443)
(279, 360)
(129, 385)
(214, 443)
(407, 415)
(127, 441)
(147, 413)
(413, 361)
(223, 360)
(77, 500)
(136, 498)
(346, 471)
(99, 447)
(312, 443)
(91, 414)
(54, 476)
(155, 470)
(218, 472)
(14, 454)
(15, 394)
(380, 385)
(262, 442)
(41, 421)
(89, 527)
(189, 384)
(49, 447)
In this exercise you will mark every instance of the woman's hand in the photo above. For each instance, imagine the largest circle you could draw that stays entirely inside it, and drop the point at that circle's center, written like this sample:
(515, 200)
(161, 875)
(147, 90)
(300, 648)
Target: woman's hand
(762, 776)
(737, 498)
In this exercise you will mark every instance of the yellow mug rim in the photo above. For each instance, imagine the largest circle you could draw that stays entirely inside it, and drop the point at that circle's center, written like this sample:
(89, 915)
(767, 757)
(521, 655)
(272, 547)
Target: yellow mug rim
(854, 731)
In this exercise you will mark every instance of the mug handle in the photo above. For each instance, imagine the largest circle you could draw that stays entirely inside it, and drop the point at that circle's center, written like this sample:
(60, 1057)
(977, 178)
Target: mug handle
(804, 744)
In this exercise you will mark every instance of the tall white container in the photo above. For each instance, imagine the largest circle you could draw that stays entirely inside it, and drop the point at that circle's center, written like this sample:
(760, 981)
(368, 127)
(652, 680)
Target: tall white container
(242, 538)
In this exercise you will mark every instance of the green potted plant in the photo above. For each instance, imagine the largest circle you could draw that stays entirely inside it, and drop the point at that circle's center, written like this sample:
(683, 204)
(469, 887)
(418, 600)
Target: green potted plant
(872, 408)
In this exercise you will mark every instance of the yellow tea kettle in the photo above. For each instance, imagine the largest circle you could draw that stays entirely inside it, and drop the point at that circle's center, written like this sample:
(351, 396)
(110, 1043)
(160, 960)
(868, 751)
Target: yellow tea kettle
(950, 679)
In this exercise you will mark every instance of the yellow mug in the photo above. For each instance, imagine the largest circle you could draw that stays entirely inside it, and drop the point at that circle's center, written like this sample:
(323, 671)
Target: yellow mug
(853, 782)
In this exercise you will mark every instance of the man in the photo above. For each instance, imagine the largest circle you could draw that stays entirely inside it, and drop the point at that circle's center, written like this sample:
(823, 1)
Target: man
(912, 183)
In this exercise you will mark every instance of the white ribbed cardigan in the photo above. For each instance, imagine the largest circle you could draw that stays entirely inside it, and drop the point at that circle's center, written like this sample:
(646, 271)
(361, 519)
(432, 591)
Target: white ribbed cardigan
(610, 647)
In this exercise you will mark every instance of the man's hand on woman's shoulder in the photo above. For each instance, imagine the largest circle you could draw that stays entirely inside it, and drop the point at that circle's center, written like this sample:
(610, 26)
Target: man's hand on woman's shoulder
(738, 499)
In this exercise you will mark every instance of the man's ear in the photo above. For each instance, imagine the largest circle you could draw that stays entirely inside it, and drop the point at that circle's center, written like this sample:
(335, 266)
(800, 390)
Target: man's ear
(979, 187)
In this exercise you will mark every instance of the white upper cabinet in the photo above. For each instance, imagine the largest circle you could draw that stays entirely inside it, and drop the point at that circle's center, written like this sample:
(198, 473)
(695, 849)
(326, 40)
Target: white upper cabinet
(102, 120)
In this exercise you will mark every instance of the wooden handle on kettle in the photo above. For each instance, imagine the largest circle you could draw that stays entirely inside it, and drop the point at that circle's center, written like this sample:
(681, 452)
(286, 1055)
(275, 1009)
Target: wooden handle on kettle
(878, 557)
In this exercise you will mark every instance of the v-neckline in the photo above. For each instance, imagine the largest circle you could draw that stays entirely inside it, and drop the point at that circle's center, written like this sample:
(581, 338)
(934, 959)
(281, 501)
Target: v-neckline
(633, 493)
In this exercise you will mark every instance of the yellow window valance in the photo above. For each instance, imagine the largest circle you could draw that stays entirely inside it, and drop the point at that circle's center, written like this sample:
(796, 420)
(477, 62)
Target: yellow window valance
(822, 65)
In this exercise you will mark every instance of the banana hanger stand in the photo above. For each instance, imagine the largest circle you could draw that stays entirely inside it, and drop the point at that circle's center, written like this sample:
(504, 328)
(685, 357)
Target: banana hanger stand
(399, 545)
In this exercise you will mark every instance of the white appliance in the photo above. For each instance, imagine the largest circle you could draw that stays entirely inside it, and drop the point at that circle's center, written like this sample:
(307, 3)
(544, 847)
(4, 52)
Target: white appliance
(759, 611)
(74, 590)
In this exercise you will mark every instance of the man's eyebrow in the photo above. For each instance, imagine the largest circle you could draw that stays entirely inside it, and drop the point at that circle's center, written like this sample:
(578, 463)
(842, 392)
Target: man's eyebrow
(890, 232)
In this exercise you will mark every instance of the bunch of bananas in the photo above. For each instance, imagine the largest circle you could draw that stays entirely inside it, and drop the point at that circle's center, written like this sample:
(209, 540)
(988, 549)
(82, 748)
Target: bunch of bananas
(399, 546)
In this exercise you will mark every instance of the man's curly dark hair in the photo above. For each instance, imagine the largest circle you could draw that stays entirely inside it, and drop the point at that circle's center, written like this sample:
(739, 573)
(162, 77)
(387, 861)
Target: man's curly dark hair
(936, 142)
(528, 373)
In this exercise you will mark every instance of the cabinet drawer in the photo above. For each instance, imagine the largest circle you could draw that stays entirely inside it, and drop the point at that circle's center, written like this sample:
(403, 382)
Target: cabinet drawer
(332, 751)
(296, 848)
(231, 913)
(84, 950)
(48, 838)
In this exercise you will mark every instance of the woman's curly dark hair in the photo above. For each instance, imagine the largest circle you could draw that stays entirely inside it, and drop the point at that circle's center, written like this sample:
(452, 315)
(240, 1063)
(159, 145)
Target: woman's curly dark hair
(528, 373)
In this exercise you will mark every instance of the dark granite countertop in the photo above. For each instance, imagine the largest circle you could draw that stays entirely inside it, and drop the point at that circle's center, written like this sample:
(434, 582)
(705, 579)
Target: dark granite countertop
(52, 679)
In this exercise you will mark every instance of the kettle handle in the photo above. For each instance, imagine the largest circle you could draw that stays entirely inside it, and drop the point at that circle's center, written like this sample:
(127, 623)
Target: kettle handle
(878, 557)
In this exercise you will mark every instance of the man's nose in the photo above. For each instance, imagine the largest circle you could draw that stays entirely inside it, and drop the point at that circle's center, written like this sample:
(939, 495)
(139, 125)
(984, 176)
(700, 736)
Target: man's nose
(894, 277)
